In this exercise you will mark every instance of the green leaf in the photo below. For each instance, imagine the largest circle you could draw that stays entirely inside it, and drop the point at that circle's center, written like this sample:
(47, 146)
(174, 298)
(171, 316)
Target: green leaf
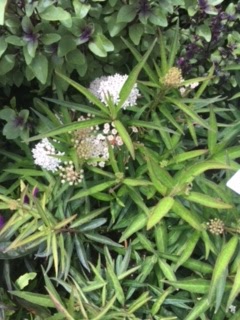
(188, 110)
(158, 18)
(53, 13)
(199, 286)
(23, 280)
(3, 4)
(39, 67)
(221, 264)
(125, 137)
(235, 290)
(174, 47)
(98, 188)
(135, 33)
(7, 114)
(189, 174)
(36, 298)
(207, 201)
(66, 44)
(116, 284)
(50, 38)
(68, 127)
(205, 32)
(102, 239)
(127, 13)
(199, 308)
(132, 78)
(3, 44)
(189, 247)
(159, 211)
(138, 223)
(7, 63)
(189, 216)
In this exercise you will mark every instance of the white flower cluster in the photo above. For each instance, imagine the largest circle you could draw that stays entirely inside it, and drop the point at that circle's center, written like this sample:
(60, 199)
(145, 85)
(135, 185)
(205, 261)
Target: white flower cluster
(69, 174)
(105, 87)
(45, 155)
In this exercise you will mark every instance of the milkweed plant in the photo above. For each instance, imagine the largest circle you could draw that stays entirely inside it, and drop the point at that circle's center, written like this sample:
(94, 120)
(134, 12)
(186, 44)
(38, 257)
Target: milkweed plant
(116, 207)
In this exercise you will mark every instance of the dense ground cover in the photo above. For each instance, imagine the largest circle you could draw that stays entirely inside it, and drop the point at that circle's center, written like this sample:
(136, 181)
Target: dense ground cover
(120, 129)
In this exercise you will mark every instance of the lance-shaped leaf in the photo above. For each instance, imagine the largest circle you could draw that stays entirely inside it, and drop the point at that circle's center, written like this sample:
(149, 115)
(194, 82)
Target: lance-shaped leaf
(68, 127)
(207, 201)
(188, 111)
(199, 308)
(138, 223)
(87, 192)
(189, 216)
(116, 284)
(189, 174)
(235, 288)
(159, 211)
(222, 263)
(188, 250)
(36, 298)
(132, 78)
(213, 133)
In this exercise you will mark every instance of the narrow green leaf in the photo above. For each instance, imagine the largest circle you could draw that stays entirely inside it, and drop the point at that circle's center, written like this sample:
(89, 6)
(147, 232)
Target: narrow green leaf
(167, 270)
(163, 55)
(138, 223)
(189, 247)
(199, 308)
(235, 288)
(102, 239)
(221, 264)
(174, 47)
(95, 189)
(132, 78)
(125, 137)
(189, 216)
(188, 111)
(108, 306)
(36, 298)
(139, 58)
(159, 211)
(213, 133)
(136, 182)
(68, 127)
(139, 302)
(189, 174)
(158, 303)
(207, 201)
(193, 285)
(116, 284)
(181, 157)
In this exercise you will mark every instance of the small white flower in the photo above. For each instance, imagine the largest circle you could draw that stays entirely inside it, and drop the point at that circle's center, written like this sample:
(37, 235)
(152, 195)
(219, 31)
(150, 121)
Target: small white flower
(194, 85)
(105, 87)
(45, 155)
(182, 91)
(232, 308)
(134, 129)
